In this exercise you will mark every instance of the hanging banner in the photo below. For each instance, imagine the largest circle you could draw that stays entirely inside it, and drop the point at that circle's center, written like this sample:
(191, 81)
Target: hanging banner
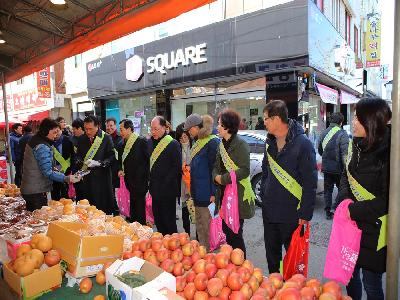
(373, 41)
(27, 99)
(347, 98)
(43, 83)
(327, 94)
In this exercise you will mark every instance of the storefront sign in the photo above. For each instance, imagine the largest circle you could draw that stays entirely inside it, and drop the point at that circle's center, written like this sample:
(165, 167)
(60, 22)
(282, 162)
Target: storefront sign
(373, 41)
(168, 61)
(43, 83)
(346, 98)
(94, 65)
(327, 94)
(27, 99)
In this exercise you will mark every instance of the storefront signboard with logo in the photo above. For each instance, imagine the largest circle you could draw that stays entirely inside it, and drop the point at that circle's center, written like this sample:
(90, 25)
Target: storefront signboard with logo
(327, 94)
(43, 83)
(347, 98)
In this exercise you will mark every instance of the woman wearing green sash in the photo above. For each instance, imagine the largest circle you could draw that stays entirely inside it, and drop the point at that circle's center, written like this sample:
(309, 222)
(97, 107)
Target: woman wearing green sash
(133, 161)
(233, 154)
(366, 182)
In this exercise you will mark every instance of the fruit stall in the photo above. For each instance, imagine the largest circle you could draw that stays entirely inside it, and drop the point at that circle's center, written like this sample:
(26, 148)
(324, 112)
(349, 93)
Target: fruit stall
(69, 250)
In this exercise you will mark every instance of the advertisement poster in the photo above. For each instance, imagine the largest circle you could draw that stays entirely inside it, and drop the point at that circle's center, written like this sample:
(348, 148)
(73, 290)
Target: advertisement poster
(373, 41)
(43, 83)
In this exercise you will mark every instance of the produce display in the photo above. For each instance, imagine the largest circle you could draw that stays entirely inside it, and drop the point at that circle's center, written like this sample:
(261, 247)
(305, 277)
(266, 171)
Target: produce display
(9, 190)
(35, 256)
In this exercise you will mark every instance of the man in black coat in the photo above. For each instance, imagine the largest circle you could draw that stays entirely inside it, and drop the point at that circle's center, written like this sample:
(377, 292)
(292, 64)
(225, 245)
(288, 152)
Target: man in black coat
(62, 145)
(95, 152)
(133, 159)
(165, 176)
(333, 144)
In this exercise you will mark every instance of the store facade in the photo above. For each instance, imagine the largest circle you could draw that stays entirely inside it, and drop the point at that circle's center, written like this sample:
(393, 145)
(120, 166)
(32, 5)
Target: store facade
(239, 63)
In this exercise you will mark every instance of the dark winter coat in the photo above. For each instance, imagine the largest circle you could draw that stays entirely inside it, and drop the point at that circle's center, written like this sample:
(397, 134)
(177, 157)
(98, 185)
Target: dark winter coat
(202, 185)
(238, 150)
(15, 149)
(117, 141)
(166, 174)
(297, 158)
(371, 170)
(335, 152)
(22, 143)
(97, 186)
(136, 167)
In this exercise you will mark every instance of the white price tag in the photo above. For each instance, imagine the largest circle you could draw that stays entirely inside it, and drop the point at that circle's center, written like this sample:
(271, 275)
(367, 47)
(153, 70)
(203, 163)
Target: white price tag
(94, 268)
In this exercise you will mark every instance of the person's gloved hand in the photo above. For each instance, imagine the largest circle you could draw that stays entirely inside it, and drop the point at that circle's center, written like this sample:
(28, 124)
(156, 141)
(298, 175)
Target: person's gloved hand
(74, 178)
(92, 163)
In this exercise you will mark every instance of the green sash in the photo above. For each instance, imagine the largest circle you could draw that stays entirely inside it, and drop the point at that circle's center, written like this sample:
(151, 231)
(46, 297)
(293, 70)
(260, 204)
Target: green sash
(128, 146)
(284, 178)
(329, 136)
(229, 164)
(93, 149)
(64, 163)
(159, 149)
(199, 144)
(361, 194)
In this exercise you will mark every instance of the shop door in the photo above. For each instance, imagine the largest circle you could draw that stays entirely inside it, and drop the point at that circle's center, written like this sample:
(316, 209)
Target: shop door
(330, 108)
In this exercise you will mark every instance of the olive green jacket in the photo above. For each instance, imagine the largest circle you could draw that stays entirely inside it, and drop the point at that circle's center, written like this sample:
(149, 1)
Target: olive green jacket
(239, 152)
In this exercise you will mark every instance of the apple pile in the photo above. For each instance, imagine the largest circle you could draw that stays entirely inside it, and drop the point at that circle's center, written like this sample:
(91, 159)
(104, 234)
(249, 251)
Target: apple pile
(34, 256)
(224, 275)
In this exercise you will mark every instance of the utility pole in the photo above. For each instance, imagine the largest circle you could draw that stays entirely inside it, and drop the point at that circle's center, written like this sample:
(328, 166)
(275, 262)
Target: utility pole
(393, 226)
(10, 162)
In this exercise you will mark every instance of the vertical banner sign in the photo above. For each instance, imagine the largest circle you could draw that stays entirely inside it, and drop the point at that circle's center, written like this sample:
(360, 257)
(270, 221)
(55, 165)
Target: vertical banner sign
(43, 83)
(373, 41)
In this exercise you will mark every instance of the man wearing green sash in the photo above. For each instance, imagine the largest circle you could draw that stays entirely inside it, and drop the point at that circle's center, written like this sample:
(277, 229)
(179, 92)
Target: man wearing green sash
(202, 187)
(62, 154)
(333, 144)
(133, 162)
(289, 181)
(165, 176)
(95, 152)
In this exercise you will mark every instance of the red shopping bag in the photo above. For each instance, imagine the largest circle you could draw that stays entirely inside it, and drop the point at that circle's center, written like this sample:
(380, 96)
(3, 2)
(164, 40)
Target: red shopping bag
(71, 191)
(296, 258)
(230, 205)
(343, 247)
(217, 236)
(149, 210)
(123, 198)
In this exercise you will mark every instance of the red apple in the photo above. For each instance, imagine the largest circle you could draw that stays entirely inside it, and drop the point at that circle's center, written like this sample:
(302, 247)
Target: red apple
(137, 253)
(153, 260)
(258, 273)
(195, 257)
(148, 253)
(315, 284)
(200, 282)
(253, 283)
(187, 262)
(230, 267)
(189, 291)
(237, 256)
(195, 244)
(225, 293)
(166, 241)
(290, 294)
(183, 238)
(127, 255)
(214, 286)
(333, 288)
(173, 243)
(190, 276)
(177, 255)
(187, 249)
(144, 245)
(210, 258)
(234, 281)
(223, 275)
(237, 295)
(167, 265)
(178, 269)
(307, 293)
(276, 279)
(162, 255)
(200, 295)
(135, 246)
(244, 273)
(200, 266)
(211, 270)
(249, 265)
(180, 283)
(156, 245)
(227, 249)
(327, 296)
(246, 291)
(221, 260)
(299, 279)
(202, 251)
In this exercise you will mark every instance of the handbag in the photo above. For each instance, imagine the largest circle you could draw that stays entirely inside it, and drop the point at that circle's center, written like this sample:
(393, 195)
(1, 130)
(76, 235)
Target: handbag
(217, 237)
(343, 247)
(123, 198)
(296, 258)
(230, 205)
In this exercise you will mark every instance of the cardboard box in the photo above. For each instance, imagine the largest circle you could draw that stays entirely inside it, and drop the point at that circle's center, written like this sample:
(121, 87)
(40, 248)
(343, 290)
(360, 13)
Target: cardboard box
(86, 255)
(156, 280)
(34, 285)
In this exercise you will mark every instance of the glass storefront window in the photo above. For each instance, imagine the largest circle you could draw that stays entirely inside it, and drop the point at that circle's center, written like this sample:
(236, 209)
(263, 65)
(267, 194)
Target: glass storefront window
(141, 110)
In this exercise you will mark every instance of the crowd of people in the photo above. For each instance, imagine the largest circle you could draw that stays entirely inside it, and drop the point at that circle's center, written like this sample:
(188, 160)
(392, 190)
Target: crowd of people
(193, 165)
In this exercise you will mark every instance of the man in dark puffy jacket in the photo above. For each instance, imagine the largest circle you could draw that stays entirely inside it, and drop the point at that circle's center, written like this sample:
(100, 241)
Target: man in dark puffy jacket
(333, 144)
(289, 181)
(15, 136)
(203, 155)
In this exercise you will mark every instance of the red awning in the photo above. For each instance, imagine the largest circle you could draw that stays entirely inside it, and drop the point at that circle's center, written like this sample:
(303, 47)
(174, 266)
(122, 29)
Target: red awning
(154, 13)
(39, 116)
